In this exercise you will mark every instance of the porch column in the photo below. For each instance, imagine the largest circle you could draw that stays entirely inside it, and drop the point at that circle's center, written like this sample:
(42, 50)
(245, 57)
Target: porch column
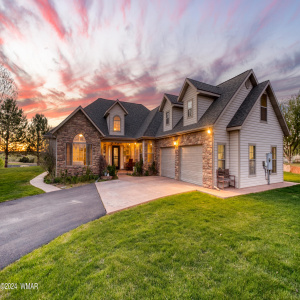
(121, 157)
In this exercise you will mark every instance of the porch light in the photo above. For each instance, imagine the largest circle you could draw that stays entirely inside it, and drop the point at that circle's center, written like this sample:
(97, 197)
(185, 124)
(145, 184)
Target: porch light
(175, 143)
(80, 135)
(209, 131)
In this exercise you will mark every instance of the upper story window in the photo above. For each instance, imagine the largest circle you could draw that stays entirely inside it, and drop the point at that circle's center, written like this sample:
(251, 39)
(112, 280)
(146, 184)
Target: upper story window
(167, 118)
(252, 160)
(190, 109)
(263, 107)
(117, 123)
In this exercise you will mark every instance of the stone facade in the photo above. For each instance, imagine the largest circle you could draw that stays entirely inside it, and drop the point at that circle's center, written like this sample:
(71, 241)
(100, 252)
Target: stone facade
(197, 138)
(79, 123)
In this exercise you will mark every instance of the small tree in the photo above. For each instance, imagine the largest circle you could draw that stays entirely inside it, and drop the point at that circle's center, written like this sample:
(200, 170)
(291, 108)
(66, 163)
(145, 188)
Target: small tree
(49, 161)
(35, 132)
(13, 123)
(8, 88)
(291, 112)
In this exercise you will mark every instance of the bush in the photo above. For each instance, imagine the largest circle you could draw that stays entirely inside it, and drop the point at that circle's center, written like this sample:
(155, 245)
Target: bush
(1, 163)
(102, 165)
(24, 159)
(112, 170)
(138, 168)
(48, 162)
(152, 169)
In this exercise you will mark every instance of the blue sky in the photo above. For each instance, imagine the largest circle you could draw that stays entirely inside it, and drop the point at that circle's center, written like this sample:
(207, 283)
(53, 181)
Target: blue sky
(63, 54)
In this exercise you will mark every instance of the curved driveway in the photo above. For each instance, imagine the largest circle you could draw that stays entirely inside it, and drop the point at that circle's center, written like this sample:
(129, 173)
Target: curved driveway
(30, 222)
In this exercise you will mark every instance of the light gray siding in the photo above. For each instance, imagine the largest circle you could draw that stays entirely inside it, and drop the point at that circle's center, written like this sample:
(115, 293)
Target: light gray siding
(167, 107)
(203, 104)
(167, 162)
(190, 94)
(234, 156)
(221, 135)
(264, 135)
(176, 115)
(116, 111)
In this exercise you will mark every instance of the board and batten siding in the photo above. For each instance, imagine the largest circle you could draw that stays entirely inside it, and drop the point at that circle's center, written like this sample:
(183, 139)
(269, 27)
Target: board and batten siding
(116, 111)
(190, 94)
(202, 105)
(263, 135)
(167, 107)
(221, 135)
(176, 115)
(234, 155)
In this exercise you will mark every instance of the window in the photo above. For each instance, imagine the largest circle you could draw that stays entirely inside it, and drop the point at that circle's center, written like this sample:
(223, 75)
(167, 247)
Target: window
(78, 153)
(252, 160)
(150, 154)
(117, 123)
(190, 109)
(221, 156)
(167, 118)
(263, 107)
(274, 159)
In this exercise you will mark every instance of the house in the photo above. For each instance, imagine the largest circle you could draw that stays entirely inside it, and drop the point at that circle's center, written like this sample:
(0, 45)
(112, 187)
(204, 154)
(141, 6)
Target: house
(231, 125)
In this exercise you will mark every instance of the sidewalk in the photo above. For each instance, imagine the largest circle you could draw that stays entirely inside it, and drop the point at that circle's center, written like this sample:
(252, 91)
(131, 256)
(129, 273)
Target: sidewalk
(39, 183)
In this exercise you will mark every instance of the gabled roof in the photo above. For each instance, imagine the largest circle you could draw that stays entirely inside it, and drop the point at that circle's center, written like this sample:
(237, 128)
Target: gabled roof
(242, 113)
(173, 101)
(117, 102)
(79, 108)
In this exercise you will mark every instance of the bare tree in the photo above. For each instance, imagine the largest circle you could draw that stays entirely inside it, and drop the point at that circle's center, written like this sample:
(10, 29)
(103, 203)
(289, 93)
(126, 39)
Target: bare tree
(8, 88)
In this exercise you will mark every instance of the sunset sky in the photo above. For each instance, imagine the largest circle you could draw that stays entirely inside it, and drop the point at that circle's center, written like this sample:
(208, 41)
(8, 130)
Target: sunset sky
(63, 54)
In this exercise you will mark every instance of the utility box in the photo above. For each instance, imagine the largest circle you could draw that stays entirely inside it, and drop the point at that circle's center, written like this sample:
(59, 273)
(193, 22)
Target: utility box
(269, 161)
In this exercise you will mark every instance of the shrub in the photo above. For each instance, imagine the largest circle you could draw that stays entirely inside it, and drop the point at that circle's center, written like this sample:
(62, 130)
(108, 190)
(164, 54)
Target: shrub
(152, 169)
(1, 163)
(102, 165)
(24, 159)
(147, 173)
(139, 168)
(48, 162)
(112, 170)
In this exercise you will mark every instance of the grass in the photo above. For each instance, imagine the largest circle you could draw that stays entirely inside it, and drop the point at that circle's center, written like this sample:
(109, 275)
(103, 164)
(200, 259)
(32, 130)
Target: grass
(14, 183)
(188, 246)
(287, 176)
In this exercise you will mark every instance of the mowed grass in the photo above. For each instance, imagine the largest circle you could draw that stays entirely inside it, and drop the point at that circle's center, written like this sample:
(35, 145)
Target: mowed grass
(287, 176)
(14, 182)
(188, 246)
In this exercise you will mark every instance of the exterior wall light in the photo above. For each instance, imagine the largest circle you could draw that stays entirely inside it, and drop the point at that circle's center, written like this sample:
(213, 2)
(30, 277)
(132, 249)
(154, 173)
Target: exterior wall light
(80, 135)
(209, 131)
(175, 143)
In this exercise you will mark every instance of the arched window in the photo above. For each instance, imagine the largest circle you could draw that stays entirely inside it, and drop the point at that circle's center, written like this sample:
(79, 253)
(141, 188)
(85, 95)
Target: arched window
(78, 153)
(117, 123)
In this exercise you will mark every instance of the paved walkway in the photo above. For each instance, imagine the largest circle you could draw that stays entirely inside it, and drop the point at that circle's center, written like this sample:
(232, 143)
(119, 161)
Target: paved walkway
(130, 191)
(39, 183)
(30, 222)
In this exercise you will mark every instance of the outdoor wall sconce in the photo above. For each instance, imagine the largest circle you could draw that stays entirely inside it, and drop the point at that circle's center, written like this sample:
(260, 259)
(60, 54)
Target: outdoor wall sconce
(175, 143)
(209, 131)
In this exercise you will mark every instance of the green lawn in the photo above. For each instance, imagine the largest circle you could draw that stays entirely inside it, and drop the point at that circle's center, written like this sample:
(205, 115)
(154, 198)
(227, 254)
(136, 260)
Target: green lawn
(188, 246)
(291, 177)
(14, 182)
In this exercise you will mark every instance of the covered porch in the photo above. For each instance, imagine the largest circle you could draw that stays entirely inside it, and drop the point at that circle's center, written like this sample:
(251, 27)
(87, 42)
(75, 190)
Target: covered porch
(124, 154)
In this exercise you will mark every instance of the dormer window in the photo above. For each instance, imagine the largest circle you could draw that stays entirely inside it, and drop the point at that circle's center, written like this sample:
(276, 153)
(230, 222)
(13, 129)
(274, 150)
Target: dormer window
(190, 109)
(167, 118)
(117, 123)
(263, 107)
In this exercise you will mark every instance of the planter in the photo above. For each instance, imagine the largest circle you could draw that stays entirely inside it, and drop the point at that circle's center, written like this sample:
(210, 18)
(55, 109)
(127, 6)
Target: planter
(106, 177)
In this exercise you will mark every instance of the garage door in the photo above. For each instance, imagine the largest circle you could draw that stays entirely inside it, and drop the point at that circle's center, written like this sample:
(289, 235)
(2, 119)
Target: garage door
(168, 162)
(191, 164)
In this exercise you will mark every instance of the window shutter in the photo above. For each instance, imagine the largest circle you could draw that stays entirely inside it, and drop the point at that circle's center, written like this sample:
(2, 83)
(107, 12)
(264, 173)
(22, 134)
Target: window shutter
(89, 154)
(69, 153)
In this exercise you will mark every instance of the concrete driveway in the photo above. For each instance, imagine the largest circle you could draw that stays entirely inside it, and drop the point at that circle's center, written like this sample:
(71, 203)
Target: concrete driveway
(129, 191)
(30, 222)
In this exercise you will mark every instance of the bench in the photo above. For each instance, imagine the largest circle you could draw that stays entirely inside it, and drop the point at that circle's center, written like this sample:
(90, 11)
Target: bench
(224, 178)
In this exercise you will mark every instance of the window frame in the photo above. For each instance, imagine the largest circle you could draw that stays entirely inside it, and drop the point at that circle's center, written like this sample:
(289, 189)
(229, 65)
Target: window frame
(167, 118)
(275, 173)
(116, 116)
(190, 109)
(221, 144)
(262, 108)
(250, 160)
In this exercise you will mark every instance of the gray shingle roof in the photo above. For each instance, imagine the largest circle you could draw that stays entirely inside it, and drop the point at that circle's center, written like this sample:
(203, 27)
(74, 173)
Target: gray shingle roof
(204, 86)
(245, 108)
(173, 99)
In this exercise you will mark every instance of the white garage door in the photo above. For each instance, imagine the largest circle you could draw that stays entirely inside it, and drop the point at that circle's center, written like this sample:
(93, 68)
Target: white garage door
(191, 164)
(168, 162)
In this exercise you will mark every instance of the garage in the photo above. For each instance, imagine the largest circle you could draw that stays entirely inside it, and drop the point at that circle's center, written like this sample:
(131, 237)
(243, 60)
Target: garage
(191, 164)
(168, 162)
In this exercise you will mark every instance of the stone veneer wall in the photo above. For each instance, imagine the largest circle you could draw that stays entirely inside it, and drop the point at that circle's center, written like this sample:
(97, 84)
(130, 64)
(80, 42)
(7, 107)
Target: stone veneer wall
(197, 138)
(77, 124)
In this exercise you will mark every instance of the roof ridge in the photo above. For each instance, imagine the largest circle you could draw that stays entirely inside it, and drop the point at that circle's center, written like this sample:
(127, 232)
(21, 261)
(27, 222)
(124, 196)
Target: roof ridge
(201, 82)
(234, 77)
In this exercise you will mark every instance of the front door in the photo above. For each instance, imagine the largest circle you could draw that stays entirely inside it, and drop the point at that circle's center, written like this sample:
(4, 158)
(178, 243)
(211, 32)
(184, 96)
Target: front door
(116, 156)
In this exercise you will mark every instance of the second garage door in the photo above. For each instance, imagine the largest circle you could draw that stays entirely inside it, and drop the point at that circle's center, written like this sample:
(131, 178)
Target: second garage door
(191, 164)
(168, 162)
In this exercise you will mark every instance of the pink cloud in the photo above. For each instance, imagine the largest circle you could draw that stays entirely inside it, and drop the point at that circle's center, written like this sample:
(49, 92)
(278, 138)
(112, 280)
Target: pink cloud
(82, 9)
(49, 13)
(125, 6)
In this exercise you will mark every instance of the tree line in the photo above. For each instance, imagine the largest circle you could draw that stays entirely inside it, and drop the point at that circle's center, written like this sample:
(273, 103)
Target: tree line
(15, 129)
